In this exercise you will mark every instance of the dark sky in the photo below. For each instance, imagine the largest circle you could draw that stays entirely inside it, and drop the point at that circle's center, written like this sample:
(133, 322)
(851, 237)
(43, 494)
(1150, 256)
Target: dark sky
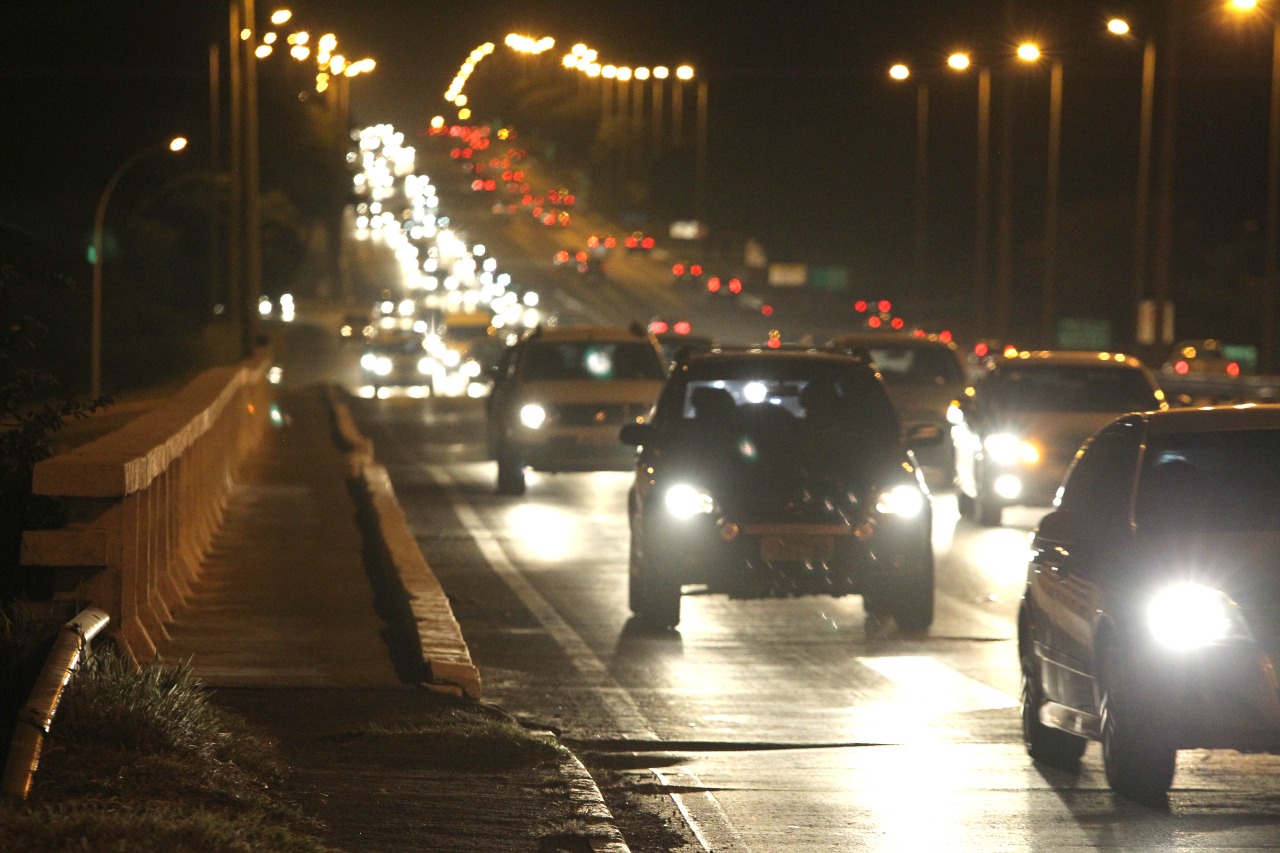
(811, 146)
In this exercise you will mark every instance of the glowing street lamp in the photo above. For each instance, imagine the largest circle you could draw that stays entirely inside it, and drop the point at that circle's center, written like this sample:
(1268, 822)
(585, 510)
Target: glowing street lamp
(99, 221)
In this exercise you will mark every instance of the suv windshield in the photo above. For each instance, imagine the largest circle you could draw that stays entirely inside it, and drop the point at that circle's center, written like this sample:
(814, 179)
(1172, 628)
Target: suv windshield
(1071, 389)
(591, 360)
(917, 365)
(795, 397)
(1212, 481)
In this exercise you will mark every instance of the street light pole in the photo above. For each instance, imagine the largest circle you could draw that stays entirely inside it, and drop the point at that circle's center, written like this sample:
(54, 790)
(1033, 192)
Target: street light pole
(1142, 215)
(1049, 296)
(99, 222)
(1270, 274)
(982, 204)
(920, 255)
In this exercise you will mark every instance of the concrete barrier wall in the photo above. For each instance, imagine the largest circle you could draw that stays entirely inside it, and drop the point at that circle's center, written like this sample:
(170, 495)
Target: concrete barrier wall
(144, 502)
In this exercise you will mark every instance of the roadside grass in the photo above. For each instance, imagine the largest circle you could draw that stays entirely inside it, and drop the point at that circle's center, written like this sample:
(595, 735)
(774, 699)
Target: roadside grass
(140, 758)
(453, 733)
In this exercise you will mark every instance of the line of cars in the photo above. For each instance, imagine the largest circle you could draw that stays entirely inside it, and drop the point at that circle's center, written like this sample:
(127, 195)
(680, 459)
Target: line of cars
(1151, 618)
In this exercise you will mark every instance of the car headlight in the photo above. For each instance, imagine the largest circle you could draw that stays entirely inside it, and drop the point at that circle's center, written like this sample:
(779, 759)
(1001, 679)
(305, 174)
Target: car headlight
(382, 366)
(426, 364)
(1190, 615)
(532, 415)
(367, 360)
(685, 501)
(903, 500)
(1008, 449)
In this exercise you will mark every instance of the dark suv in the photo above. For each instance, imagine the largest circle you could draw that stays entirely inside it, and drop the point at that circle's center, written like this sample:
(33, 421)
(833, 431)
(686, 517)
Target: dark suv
(767, 473)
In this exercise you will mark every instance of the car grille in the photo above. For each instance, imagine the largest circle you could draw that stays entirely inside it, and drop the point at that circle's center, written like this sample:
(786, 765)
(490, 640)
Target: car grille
(597, 414)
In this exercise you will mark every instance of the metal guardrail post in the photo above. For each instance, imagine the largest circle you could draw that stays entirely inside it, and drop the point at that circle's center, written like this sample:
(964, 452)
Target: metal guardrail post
(35, 717)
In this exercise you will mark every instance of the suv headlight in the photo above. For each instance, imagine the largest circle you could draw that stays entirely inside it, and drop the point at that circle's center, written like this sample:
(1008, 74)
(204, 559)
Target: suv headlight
(685, 501)
(1008, 449)
(903, 500)
(532, 415)
(1190, 615)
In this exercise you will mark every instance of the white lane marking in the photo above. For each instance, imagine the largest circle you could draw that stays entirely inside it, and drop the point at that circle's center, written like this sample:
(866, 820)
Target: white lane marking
(929, 680)
(623, 709)
(702, 813)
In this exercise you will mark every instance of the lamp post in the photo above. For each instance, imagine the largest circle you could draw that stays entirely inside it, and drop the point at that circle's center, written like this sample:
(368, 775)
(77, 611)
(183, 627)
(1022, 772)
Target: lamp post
(919, 261)
(1270, 261)
(1028, 52)
(99, 220)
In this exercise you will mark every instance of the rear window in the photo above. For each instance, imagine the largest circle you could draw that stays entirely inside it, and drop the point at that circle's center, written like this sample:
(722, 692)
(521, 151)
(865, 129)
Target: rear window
(917, 365)
(1071, 389)
(545, 361)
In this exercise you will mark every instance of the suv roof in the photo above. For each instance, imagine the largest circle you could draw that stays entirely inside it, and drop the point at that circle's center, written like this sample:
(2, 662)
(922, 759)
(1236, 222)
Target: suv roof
(1075, 358)
(898, 339)
(587, 332)
(794, 352)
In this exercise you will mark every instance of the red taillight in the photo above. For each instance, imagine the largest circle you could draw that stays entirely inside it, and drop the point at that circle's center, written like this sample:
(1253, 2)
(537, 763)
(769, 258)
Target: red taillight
(490, 185)
(897, 323)
(917, 333)
(775, 342)
(766, 310)
(980, 350)
(477, 185)
(593, 241)
(713, 284)
(632, 242)
(945, 335)
(1181, 367)
(884, 306)
(735, 285)
(581, 257)
(860, 306)
(874, 322)
(678, 269)
(646, 243)
(562, 257)
(1010, 351)
(696, 269)
(1233, 369)
(682, 327)
(658, 327)
(610, 242)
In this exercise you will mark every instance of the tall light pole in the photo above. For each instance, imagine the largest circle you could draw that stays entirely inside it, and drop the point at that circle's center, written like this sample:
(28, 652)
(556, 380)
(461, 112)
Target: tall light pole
(99, 221)
(1029, 52)
(919, 260)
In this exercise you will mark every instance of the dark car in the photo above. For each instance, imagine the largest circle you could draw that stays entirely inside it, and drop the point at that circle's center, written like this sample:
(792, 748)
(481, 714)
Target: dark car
(1018, 428)
(1151, 619)
(560, 395)
(766, 473)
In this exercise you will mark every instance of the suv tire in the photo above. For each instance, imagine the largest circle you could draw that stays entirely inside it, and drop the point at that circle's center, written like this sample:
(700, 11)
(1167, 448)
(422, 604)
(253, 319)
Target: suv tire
(654, 594)
(510, 472)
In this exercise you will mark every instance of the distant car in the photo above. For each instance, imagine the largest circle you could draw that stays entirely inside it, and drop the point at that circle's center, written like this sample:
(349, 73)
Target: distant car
(1199, 357)
(723, 286)
(924, 375)
(687, 274)
(355, 328)
(560, 396)
(638, 241)
(768, 473)
(397, 357)
(1018, 428)
(1151, 619)
(672, 335)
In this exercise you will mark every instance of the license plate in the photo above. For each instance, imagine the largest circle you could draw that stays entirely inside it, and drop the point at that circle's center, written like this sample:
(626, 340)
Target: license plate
(781, 549)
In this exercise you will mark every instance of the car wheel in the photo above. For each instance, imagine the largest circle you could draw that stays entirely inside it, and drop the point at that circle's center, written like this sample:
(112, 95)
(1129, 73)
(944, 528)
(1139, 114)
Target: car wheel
(1045, 744)
(913, 596)
(1138, 757)
(964, 504)
(654, 594)
(510, 472)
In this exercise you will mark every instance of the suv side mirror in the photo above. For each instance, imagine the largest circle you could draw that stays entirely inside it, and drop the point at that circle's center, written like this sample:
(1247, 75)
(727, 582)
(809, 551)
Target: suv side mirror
(635, 434)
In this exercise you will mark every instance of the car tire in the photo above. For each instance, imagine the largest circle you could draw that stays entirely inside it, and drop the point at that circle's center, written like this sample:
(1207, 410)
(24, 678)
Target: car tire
(965, 504)
(1139, 759)
(510, 472)
(1045, 745)
(912, 601)
(654, 595)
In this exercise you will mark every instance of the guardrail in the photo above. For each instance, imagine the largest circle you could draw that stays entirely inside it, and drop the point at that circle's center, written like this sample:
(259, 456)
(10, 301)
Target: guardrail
(143, 503)
(35, 717)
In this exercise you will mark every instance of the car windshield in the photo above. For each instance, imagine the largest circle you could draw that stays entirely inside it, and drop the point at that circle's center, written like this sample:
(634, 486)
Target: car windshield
(395, 341)
(797, 398)
(917, 365)
(1211, 481)
(1071, 389)
(592, 360)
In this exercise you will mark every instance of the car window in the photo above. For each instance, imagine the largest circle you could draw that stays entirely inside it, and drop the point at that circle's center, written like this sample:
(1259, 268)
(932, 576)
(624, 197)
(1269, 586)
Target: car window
(1213, 481)
(1070, 389)
(1099, 484)
(803, 398)
(917, 365)
(590, 360)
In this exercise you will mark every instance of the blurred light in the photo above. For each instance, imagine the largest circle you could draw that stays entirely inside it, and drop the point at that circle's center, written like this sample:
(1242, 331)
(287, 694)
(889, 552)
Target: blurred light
(884, 305)
(685, 72)
(1118, 26)
(1028, 52)
(661, 72)
(899, 72)
(262, 51)
(280, 16)
(269, 38)
(642, 73)
(958, 61)
(1245, 5)
(177, 143)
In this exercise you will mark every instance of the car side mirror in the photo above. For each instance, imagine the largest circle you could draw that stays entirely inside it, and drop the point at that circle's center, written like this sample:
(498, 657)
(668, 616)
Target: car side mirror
(1058, 526)
(635, 434)
(924, 435)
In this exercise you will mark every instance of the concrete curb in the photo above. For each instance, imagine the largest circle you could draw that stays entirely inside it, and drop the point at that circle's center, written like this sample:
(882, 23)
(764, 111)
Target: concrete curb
(444, 651)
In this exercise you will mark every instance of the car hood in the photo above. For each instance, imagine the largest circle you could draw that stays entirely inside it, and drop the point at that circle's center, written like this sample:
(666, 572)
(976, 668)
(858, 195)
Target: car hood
(1061, 431)
(590, 391)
